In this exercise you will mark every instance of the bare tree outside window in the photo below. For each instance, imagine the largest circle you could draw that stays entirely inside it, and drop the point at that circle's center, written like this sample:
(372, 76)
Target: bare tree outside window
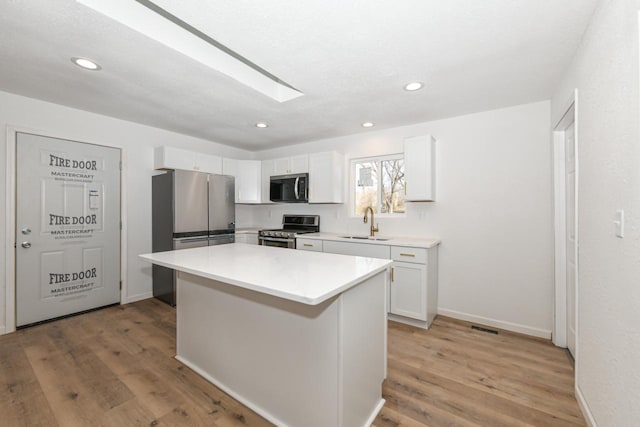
(379, 183)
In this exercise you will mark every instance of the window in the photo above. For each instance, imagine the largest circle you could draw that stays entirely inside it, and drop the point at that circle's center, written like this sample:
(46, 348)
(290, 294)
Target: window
(378, 182)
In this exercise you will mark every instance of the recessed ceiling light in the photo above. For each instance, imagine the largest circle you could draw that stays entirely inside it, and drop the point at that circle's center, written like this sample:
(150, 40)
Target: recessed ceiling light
(87, 64)
(262, 125)
(413, 86)
(367, 124)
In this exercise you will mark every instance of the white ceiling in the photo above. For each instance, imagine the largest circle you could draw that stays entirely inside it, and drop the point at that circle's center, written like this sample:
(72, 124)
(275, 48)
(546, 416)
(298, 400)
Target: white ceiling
(350, 58)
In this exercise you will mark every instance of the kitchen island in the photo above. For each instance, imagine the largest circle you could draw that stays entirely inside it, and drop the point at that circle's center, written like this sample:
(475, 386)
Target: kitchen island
(299, 337)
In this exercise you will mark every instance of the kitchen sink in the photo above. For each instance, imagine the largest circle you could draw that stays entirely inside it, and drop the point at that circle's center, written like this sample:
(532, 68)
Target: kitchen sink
(364, 238)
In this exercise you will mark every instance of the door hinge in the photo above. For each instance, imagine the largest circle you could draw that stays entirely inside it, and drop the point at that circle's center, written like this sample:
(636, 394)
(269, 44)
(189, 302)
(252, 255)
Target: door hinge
(120, 164)
(120, 225)
(120, 284)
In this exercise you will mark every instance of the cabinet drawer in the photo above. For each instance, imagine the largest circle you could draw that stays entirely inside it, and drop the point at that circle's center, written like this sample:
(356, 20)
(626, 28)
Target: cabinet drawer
(408, 254)
(309, 245)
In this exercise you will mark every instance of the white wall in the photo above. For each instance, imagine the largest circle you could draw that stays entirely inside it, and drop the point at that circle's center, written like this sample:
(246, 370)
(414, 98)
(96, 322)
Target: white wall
(605, 71)
(136, 139)
(493, 211)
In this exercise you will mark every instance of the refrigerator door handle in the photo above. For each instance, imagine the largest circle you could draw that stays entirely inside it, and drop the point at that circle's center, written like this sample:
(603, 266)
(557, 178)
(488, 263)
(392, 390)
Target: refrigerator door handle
(295, 188)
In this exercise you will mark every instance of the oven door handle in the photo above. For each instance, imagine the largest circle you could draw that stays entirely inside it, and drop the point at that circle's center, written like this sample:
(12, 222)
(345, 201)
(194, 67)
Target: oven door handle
(276, 239)
(295, 188)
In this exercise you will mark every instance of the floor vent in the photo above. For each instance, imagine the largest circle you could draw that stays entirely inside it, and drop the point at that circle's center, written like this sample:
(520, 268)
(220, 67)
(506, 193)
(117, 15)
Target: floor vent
(479, 328)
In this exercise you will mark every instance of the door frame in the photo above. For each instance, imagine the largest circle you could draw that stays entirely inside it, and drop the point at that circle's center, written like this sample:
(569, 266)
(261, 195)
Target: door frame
(10, 217)
(569, 115)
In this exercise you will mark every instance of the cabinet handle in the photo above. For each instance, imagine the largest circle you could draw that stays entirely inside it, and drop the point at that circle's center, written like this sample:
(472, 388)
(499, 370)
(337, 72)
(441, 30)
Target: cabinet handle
(393, 276)
(411, 255)
(307, 244)
(405, 188)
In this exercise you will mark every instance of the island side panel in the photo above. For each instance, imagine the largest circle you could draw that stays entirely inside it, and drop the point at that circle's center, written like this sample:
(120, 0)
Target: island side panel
(278, 357)
(363, 339)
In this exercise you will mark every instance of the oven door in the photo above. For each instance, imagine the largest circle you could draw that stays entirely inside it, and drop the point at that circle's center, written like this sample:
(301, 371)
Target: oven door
(277, 242)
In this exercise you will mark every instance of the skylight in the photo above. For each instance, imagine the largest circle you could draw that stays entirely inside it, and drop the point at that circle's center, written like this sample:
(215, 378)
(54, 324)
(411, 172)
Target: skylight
(151, 20)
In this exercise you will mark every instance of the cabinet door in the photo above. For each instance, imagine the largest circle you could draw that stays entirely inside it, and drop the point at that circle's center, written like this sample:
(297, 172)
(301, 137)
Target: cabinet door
(229, 167)
(281, 166)
(299, 164)
(419, 168)
(326, 177)
(209, 163)
(408, 290)
(248, 181)
(267, 172)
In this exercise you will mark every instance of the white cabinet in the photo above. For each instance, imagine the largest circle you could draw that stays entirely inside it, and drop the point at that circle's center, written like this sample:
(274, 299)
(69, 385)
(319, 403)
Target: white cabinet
(291, 165)
(248, 174)
(326, 177)
(267, 172)
(176, 158)
(356, 249)
(420, 169)
(413, 289)
(309, 245)
(408, 290)
(249, 238)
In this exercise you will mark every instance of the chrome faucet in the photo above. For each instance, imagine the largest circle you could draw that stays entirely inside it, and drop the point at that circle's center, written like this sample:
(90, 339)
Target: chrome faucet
(373, 228)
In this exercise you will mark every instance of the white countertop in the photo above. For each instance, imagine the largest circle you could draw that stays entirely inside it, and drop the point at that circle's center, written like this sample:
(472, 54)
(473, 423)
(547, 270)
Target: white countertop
(302, 276)
(388, 240)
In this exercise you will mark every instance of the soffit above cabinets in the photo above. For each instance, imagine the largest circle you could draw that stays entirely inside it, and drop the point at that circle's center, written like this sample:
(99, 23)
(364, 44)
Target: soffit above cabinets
(350, 59)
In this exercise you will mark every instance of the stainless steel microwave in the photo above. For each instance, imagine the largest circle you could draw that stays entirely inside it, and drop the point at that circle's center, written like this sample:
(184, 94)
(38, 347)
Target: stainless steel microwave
(290, 188)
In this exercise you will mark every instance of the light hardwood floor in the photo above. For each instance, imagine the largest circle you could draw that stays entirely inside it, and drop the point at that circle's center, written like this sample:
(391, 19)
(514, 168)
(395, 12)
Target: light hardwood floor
(115, 367)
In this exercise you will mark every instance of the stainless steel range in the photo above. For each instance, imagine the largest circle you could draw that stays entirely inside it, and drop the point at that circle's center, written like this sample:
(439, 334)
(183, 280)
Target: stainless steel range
(292, 226)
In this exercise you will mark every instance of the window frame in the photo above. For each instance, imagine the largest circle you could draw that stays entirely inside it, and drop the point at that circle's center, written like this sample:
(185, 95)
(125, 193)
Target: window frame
(353, 185)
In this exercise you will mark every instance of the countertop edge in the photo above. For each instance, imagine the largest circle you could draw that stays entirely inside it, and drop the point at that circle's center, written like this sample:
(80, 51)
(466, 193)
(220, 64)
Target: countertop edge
(426, 243)
(268, 291)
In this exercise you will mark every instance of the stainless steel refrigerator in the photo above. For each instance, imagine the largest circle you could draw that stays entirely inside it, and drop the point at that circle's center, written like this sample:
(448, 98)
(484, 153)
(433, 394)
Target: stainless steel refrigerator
(190, 209)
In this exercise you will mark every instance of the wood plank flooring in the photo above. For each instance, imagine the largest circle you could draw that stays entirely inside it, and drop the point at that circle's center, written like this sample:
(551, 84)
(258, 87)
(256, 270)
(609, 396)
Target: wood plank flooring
(115, 367)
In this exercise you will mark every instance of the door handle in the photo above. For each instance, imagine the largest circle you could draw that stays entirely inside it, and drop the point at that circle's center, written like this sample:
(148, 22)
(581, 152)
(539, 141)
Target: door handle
(26, 245)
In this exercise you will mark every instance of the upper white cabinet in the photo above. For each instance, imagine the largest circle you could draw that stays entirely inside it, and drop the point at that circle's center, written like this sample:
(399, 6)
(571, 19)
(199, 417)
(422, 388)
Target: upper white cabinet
(268, 167)
(420, 169)
(326, 177)
(176, 158)
(248, 174)
(290, 165)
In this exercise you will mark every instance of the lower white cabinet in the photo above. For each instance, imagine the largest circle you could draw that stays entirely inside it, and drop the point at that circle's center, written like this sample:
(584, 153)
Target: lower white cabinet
(309, 245)
(413, 288)
(408, 290)
(356, 249)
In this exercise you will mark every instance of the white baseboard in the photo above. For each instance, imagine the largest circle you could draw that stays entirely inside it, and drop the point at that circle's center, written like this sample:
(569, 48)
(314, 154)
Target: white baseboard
(2, 330)
(508, 326)
(138, 297)
(375, 413)
(246, 402)
(586, 412)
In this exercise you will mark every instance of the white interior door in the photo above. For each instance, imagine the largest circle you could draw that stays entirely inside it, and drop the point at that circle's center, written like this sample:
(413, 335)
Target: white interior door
(67, 227)
(572, 247)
